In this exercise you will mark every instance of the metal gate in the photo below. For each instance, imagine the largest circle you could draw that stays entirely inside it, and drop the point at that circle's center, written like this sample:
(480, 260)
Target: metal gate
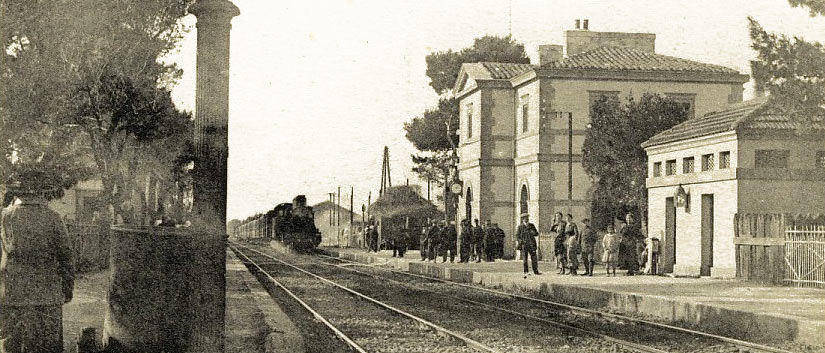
(805, 256)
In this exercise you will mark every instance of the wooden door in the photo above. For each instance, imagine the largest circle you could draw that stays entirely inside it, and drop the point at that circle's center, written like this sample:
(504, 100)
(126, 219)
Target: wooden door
(668, 256)
(707, 235)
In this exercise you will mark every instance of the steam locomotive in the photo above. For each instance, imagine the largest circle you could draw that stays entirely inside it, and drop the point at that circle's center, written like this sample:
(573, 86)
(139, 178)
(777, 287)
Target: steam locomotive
(292, 224)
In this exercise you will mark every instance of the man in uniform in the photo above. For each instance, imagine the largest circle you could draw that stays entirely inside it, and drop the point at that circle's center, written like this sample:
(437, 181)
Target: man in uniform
(489, 241)
(478, 241)
(588, 241)
(498, 242)
(629, 235)
(36, 271)
(466, 241)
(449, 237)
(526, 236)
(434, 246)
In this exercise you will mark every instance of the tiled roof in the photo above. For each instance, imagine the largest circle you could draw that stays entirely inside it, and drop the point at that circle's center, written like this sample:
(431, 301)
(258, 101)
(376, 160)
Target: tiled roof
(753, 114)
(503, 71)
(616, 58)
(708, 124)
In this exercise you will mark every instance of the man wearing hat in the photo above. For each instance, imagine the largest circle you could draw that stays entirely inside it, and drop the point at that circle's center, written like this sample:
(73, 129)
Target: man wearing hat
(36, 270)
(526, 235)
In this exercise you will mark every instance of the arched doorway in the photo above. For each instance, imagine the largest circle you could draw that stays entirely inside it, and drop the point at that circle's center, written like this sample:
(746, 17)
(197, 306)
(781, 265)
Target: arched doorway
(468, 205)
(523, 201)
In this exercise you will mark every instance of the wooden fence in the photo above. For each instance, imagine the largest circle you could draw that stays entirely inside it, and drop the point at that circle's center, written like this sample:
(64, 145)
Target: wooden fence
(805, 256)
(90, 246)
(770, 248)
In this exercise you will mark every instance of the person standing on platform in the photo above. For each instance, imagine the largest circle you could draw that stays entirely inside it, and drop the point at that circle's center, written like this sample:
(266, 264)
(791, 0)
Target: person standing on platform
(588, 244)
(559, 226)
(498, 242)
(373, 237)
(434, 241)
(449, 237)
(424, 241)
(571, 245)
(610, 244)
(489, 241)
(478, 241)
(36, 270)
(400, 242)
(466, 241)
(629, 235)
(526, 237)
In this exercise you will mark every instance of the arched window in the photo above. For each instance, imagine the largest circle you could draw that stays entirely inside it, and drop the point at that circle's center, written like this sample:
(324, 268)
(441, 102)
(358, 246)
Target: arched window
(524, 198)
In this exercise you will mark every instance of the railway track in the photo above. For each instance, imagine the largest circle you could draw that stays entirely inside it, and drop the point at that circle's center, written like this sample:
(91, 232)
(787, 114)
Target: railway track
(420, 282)
(363, 323)
(493, 325)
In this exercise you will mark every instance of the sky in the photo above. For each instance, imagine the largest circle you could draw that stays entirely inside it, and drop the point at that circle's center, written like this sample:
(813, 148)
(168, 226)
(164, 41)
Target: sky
(318, 88)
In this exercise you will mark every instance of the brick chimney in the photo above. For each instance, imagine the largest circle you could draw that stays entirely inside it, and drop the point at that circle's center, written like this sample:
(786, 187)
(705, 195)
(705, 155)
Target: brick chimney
(583, 40)
(549, 53)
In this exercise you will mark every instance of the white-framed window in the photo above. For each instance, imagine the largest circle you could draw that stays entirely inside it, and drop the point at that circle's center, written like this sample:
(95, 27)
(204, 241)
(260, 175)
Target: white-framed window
(657, 169)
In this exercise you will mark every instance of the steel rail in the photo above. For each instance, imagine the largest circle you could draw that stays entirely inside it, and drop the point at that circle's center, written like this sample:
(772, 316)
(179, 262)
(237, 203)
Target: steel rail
(617, 342)
(306, 306)
(736, 342)
(469, 342)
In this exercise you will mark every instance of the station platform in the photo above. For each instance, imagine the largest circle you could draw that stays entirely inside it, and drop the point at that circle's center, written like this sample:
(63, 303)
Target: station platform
(254, 322)
(728, 307)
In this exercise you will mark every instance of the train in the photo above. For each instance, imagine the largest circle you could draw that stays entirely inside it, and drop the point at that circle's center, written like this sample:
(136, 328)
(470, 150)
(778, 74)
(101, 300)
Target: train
(292, 224)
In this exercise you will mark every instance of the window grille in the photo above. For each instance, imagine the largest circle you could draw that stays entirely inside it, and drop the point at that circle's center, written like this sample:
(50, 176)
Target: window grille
(525, 117)
(724, 160)
(687, 165)
(469, 120)
(707, 162)
(657, 169)
(670, 167)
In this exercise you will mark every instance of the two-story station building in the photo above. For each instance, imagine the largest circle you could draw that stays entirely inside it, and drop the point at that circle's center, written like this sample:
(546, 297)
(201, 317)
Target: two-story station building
(522, 125)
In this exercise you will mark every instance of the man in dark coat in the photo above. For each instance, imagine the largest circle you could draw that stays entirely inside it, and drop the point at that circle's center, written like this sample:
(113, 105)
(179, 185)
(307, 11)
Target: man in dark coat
(478, 241)
(373, 238)
(400, 241)
(466, 241)
(498, 242)
(526, 236)
(424, 241)
(559, 227)
(449, 238)
(629, 236)
(434, 236)
(588, 245)
(36, 272)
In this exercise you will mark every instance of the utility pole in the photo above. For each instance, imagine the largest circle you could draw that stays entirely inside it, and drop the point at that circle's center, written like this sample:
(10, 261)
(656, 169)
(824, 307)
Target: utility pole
(351, 213)
(338, 217)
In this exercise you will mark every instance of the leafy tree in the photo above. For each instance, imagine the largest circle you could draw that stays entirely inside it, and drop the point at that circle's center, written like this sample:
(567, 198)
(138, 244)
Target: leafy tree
(89, 72)
(792, 70)
(817, 7)
(612, 152)
(429, 132)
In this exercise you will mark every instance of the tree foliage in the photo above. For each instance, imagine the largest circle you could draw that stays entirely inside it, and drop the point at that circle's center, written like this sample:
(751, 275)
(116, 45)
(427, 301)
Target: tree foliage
(429, 132)
(816, 7)
(84, 80)
(612, 152)
(792, 70)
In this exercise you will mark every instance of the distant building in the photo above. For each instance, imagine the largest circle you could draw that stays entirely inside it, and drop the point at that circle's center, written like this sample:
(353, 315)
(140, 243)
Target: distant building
(522, 126)
(333, 234)
(744, 158)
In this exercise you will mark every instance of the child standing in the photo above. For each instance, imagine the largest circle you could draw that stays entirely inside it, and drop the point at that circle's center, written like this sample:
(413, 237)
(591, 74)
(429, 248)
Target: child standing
(610, 244)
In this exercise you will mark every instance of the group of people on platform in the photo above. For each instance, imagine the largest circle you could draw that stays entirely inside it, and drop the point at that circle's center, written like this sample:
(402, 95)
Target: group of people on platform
(573, 247)
(625, 250)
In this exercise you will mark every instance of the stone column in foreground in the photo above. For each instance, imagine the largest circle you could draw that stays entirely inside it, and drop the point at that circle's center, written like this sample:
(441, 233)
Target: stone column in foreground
(209, 184)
